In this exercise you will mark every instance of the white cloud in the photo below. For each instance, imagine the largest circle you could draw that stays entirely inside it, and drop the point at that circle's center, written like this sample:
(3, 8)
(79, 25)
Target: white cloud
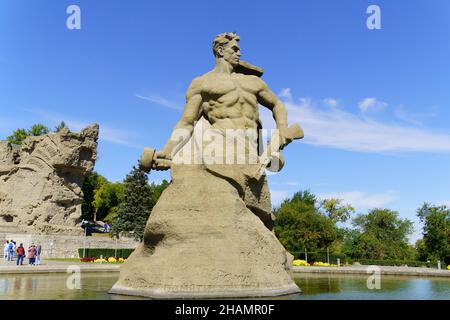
(333, 127)
(160, 101)
(403, 115)
(371, 104)
(107, 133)
(331, 102)
(362, 200)
(415, 118)
(117, 136)
(286, 93)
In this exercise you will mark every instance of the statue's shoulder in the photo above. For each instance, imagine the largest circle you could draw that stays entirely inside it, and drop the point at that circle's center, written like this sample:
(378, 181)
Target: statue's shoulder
(196, 86)
(252, 79)
(199, 82)
(207, 76)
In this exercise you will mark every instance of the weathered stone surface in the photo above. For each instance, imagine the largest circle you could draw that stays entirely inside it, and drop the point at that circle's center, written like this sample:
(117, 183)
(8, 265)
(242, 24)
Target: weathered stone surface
(40, 182)
(205, 246)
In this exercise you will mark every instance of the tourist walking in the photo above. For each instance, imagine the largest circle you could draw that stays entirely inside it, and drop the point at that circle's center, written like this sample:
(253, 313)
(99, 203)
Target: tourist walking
(38, 254)
(14, 249)
(6, 250)
(10, 251)
(20, 254)
(31, 255)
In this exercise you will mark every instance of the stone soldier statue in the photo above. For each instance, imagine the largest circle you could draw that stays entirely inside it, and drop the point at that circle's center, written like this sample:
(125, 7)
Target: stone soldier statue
(210, 234)
(227, 99)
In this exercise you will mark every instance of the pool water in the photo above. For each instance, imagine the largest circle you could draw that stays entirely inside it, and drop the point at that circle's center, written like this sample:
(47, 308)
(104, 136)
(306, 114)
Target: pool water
(333, 286)
(95, 286)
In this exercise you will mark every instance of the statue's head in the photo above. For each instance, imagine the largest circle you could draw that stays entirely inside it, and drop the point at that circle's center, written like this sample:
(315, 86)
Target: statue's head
(226, 46)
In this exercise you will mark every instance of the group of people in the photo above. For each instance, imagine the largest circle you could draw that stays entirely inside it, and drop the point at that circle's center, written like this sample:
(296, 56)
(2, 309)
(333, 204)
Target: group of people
(11, 251)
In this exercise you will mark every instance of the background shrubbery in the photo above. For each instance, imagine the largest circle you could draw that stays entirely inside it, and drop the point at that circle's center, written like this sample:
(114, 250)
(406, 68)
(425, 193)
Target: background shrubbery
(97, 252)
(409, 263)
(378, 237)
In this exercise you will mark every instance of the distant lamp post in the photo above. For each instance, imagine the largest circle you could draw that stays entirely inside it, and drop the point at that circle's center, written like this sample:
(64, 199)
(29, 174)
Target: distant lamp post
(51, 249)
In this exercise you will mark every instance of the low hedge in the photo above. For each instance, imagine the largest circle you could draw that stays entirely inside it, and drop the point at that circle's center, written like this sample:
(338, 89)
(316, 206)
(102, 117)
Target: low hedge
(344, 259)
(397, 263)
(320, 256)
(97, 252)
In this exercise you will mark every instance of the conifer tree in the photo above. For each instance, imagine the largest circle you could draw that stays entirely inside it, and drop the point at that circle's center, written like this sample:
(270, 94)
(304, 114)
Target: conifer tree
(135, 207)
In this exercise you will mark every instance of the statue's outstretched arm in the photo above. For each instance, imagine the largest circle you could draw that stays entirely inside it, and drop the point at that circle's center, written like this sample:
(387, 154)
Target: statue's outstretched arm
(269, 99)
(185, 126)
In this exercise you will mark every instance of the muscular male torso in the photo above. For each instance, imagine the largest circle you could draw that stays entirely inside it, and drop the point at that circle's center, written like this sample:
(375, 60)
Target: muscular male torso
(229, 101)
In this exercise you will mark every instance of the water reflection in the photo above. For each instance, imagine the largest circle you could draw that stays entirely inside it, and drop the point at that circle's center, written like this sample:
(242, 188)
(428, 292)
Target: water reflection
(333, 286)
(54, 286)
(95, 286)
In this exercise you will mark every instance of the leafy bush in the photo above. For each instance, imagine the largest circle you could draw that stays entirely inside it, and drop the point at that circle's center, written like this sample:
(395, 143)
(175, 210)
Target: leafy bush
(323, 264)
(409, 263)
(300, 263)
(97, 252)
(320, 256)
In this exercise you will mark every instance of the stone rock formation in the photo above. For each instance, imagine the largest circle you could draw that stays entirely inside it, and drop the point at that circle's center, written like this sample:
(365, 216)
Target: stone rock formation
(41, 181)
(202, 241)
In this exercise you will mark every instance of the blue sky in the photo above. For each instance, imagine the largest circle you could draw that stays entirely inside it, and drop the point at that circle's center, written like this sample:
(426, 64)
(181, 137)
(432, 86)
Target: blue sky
(374, 104)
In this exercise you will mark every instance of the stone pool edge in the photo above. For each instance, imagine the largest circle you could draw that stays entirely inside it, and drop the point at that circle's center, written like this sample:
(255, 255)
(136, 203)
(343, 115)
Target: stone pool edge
(384, 270)
(56, 269)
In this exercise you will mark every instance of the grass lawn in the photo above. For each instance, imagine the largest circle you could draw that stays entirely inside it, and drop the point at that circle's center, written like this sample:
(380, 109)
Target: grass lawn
(64, 259)
(78, 260)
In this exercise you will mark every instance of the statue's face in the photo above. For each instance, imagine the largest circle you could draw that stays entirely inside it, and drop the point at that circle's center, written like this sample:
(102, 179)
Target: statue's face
(231, 53)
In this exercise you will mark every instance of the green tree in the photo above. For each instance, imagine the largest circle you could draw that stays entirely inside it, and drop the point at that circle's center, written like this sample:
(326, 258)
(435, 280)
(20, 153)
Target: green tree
(60, 126)
(92, 183)
(299, 224)
(38, 130)
(18, 136)
(436, 232)
(107, 199)
(335, 210)
(421, 249)
(380, 234)
(136, 206)
(157, 190)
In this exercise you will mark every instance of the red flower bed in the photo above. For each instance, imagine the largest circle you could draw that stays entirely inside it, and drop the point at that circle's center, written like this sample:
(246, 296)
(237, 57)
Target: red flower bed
(87, 259)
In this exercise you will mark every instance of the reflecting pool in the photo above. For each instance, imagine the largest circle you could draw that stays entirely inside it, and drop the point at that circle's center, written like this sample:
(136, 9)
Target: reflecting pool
(314, 286)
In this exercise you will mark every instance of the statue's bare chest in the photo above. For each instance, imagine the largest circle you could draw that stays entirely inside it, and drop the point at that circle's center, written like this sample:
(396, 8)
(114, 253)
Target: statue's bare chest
(235, 84)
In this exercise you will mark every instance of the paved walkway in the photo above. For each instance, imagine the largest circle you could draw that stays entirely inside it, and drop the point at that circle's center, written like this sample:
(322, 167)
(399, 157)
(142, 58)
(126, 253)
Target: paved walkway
(385, 270)
(50, 266)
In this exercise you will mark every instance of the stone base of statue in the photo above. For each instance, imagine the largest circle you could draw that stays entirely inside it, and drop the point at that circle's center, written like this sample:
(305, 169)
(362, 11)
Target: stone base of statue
(206, 238)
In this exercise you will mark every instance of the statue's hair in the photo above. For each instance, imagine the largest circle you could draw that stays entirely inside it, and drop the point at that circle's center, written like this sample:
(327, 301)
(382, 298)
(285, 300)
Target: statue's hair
(222, 39)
